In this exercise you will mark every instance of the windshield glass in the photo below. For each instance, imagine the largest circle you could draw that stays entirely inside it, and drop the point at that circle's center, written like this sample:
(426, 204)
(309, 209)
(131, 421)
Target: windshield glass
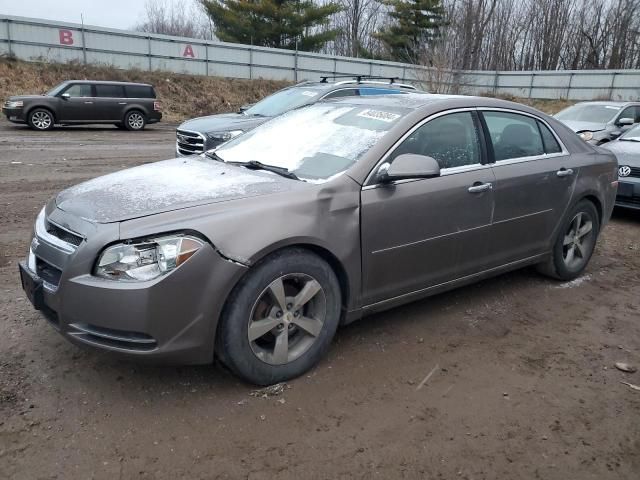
(633, 134)
(57, 89)
(285, 100)
(589, 113)
(316, 142)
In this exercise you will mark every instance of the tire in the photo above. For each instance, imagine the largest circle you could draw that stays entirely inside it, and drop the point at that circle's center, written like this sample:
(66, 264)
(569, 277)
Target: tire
(564, 265)
(41, 119)
(255, 351)
(135, 120)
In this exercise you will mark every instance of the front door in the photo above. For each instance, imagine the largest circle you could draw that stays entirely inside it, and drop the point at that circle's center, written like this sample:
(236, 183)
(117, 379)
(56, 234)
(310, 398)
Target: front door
(74, 107)
(535, 178)
(420, 233)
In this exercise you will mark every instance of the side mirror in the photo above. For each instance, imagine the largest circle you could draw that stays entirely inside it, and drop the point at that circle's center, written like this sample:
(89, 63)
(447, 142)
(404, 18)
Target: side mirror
(625, 121)
(65, 96)
(244, 108)
(407, 166)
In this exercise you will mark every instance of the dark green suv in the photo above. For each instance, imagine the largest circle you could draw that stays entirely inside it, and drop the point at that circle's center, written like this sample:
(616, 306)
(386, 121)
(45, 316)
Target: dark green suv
(74, 102)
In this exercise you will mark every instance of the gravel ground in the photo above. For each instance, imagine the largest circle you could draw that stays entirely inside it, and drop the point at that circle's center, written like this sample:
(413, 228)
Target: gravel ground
(522, 382)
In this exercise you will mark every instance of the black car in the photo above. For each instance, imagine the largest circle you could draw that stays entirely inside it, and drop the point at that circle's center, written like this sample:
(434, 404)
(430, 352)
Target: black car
(126, 105)
(198, 135)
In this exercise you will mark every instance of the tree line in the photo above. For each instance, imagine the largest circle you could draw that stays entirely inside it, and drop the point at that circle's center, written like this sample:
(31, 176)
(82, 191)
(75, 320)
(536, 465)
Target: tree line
(446, 34)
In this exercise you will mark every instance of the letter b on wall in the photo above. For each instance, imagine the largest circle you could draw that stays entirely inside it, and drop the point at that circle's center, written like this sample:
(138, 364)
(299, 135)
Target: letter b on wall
(66, 37)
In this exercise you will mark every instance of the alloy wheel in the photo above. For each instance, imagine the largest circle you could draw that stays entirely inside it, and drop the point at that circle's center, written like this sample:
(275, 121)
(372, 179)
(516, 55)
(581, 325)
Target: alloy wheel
(136, 121)
(577, 242)
(287, 318)
(41, 120)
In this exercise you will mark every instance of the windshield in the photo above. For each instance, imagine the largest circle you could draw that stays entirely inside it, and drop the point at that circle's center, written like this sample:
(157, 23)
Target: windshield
(591, 113)
(632, 135)
(57, 89)
(285, 100)
(316, 142)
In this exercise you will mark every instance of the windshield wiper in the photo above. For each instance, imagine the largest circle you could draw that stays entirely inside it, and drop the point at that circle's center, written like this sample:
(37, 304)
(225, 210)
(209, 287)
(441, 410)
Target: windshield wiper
(256, 165)
(213, 155)
(629, 139)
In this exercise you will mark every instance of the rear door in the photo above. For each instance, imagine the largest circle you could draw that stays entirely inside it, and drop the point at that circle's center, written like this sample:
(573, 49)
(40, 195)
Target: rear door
(535, 178)
(78, 105)
(419, 233)
(110, 102)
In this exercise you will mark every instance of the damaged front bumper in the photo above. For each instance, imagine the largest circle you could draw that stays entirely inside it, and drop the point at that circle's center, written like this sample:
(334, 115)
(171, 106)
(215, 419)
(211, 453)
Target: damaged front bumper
(171, 319)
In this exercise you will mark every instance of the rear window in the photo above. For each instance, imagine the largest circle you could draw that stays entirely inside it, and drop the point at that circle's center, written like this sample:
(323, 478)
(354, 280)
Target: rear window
(113, 91)
(139, 91)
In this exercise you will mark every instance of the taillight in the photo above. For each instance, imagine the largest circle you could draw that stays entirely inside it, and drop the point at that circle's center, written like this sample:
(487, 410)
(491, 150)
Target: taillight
(157, 107)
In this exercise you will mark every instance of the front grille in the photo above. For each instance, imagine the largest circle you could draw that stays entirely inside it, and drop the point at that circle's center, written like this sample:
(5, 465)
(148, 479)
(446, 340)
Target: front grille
(48, 272)
(189, 143)
(108, 337)
(635, 172)
(62, 234)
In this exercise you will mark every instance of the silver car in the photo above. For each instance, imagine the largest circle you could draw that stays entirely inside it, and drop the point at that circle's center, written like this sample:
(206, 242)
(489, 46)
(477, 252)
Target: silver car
(257, 251)
(627, 150)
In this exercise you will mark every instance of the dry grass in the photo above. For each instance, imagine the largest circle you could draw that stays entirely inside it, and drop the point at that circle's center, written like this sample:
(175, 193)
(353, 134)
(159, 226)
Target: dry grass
(182, 96)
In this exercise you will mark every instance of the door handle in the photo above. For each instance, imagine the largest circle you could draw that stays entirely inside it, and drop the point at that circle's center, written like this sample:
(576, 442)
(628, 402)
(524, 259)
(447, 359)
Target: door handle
(564, 172)
(480, 187)
(122, 103)
(89, 103)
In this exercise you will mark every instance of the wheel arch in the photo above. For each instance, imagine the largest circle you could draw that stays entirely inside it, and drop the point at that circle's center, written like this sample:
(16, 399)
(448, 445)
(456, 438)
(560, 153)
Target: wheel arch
(593, 198)
(41, 107)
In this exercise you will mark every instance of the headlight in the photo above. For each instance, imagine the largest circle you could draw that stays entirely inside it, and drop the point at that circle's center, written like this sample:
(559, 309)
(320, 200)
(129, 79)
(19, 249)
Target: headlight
(586, 136)
(15, 104)
(146, 260)
(224, 136)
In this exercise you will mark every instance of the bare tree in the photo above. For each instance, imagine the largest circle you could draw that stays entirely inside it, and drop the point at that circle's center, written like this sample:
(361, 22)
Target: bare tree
(183, 19)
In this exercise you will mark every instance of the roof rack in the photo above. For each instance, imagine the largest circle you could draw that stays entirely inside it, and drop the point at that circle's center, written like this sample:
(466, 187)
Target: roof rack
(357, 78)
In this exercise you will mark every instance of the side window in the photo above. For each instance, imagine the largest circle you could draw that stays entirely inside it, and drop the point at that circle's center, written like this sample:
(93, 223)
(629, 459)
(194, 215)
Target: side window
(631, 112)
(451, 139)
(513, 135)
(551, 145)
(346, 92)
(110, 91)
(364, 91)
(79, 90)
(139, 91)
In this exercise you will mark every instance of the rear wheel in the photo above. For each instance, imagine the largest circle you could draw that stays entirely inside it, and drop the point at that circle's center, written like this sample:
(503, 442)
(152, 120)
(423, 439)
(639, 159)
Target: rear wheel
(575, 243)
(134, 120)
(41, 119)
(280, 319)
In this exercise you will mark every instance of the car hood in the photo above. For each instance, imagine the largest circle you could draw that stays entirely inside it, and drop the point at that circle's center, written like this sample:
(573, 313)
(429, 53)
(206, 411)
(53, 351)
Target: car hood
(577, 126)
(627, 153)
(222, 123)
(165, 186)
(13, 98)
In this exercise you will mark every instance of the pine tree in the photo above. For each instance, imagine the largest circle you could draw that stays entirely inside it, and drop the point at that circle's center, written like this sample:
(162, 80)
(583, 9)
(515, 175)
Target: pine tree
(272, 23)
(416, 24)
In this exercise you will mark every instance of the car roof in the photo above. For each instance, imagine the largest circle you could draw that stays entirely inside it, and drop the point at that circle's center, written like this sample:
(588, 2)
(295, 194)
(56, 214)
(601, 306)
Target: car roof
(611, 103)
(108, 82)
(416, 100)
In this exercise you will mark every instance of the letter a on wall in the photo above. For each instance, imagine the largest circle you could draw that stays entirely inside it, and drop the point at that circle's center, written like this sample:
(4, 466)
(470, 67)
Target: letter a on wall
(66, 37)
(188, 52)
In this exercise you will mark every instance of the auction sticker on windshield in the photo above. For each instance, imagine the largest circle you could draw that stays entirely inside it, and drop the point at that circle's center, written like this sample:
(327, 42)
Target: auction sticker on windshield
(379, 115)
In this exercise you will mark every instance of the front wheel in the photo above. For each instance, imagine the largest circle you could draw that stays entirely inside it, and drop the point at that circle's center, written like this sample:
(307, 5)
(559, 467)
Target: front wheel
(134, 120)
(575, 243)
(281, 318)
(41, 119)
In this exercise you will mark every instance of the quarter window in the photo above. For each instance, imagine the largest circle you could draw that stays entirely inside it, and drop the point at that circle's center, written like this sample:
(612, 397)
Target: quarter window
(513, 135)
(551, 145)
(110, 91)
(452, 140)
(79, 90)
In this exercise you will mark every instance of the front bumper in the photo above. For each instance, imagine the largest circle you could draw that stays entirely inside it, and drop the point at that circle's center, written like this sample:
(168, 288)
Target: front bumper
(628, 192)
(15, 115)
(171, 319)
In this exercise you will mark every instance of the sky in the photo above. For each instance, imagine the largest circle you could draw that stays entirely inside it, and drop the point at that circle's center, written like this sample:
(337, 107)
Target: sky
(105, 13)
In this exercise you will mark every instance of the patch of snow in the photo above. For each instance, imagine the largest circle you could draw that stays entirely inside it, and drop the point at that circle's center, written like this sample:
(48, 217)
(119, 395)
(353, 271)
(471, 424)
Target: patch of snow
(575, 283)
